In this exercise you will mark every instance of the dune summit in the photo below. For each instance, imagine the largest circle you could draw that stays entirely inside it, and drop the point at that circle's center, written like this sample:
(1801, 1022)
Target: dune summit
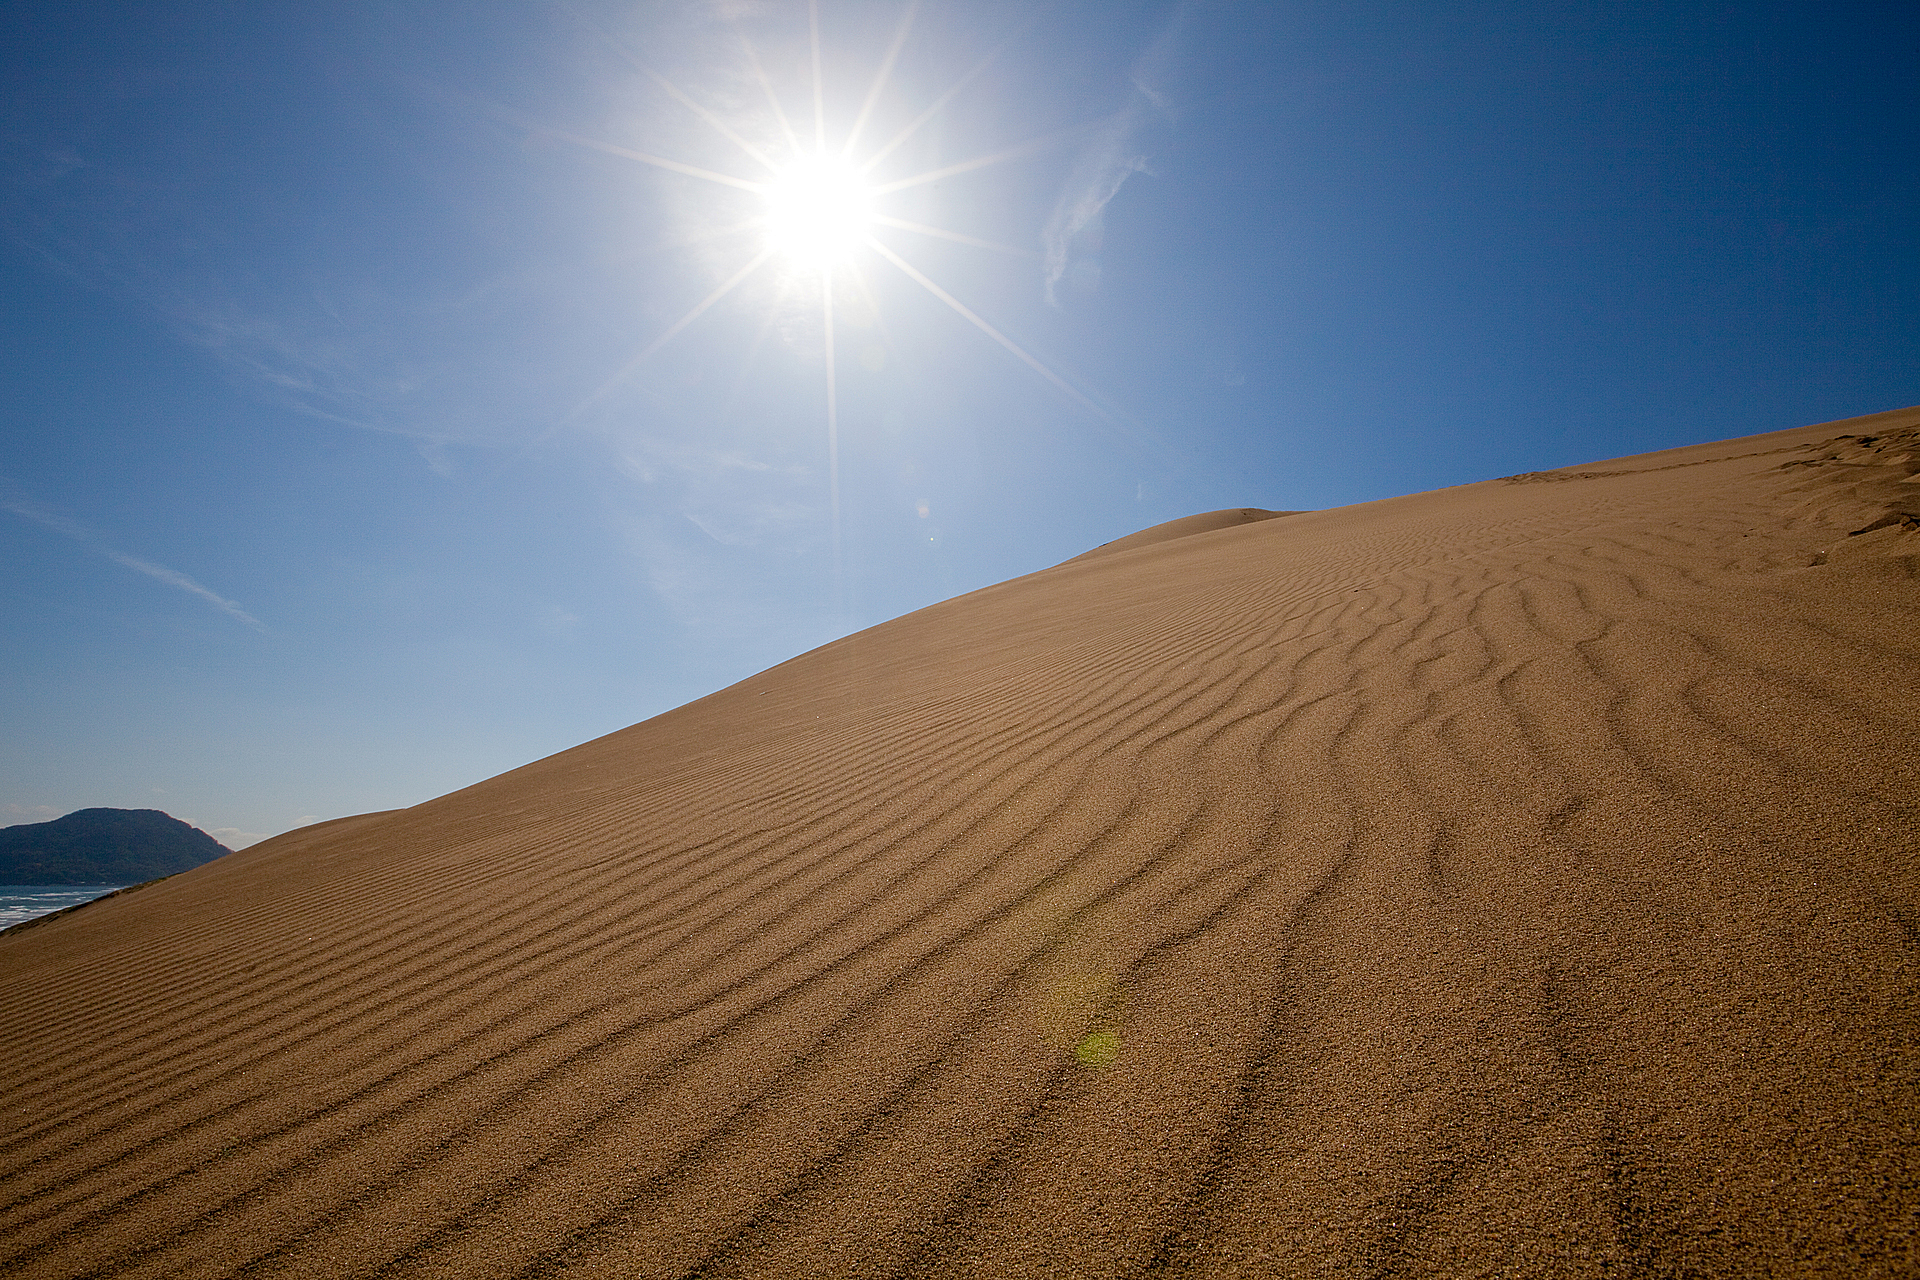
(1519, 878)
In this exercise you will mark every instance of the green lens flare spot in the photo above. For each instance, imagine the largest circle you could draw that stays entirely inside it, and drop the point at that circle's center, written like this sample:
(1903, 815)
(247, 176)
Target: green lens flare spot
(1100, 1049)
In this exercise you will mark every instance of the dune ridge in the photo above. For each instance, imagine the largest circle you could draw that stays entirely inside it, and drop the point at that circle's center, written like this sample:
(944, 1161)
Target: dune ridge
(1184, 527)
(1518, 878)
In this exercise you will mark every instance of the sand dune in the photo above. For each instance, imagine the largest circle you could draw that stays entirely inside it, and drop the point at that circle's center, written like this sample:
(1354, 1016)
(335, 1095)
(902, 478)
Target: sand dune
(1520, 878)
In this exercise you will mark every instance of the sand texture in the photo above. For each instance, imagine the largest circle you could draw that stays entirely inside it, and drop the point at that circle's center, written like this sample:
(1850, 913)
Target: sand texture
(1516, 879)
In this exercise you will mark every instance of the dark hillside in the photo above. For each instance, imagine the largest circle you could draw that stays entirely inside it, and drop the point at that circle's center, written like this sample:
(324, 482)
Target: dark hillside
(103, 846)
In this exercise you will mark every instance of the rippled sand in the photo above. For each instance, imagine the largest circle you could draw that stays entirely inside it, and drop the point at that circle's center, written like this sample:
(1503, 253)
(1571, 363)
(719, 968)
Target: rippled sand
(1521, 878)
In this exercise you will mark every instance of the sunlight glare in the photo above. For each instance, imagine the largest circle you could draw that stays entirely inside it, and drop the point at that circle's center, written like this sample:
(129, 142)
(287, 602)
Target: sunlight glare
(818, 211)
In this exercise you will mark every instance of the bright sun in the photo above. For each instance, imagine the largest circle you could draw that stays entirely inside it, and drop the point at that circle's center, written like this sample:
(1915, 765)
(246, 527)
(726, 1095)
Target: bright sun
(819, 211)
(821, 216)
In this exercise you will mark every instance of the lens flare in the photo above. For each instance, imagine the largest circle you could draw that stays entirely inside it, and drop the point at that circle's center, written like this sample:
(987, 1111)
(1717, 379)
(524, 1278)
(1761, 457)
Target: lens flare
(819, 209)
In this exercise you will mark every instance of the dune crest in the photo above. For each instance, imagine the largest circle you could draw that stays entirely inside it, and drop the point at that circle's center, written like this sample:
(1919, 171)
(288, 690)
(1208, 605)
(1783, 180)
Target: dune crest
(1185, 526)
(1518, 878)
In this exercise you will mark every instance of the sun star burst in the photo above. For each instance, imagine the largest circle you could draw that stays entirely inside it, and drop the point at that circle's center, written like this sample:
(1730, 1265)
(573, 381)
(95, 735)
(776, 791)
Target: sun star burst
(822, 218)
(819, 210)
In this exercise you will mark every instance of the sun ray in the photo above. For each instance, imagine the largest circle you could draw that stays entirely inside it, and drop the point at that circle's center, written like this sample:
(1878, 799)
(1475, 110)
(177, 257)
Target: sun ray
(819, 88)
(738, 389)
(919, 121)
(1031, 362)
(660, 162)
(833, 429)
(691, 237)
(708, 116)
(865, 288)
(1015, 152)
(773, 99)
(943, 234)
(873, 161)
(699, 308)
(719, 125)
(880, 78)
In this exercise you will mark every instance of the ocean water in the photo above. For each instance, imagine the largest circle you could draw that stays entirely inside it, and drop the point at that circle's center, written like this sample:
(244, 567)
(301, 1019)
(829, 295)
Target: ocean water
(25, 901)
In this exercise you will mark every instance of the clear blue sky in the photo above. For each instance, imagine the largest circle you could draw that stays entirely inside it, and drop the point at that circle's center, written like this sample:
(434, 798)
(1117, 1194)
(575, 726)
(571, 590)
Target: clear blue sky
(329, 480)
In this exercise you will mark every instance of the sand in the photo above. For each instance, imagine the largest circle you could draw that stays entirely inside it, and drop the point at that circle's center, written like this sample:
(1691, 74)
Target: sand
(1515, 879)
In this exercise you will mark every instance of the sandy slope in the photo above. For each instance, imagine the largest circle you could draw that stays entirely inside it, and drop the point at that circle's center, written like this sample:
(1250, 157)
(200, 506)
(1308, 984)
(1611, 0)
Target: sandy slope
(1521, 878)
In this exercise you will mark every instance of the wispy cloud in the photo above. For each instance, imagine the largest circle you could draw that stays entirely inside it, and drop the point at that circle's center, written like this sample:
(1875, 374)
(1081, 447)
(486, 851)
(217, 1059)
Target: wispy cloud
(733, 497)
(1098, 179)
(15, 814)
(1109, 159)
(475, 352)
(158, 572)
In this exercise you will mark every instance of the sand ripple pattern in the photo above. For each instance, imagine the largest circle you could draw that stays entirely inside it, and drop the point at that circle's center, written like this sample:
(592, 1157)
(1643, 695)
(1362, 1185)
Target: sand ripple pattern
(1518, 879)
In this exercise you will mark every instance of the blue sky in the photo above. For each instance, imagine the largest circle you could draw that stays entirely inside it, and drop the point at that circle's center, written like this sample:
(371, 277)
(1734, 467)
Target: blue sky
(330, 482)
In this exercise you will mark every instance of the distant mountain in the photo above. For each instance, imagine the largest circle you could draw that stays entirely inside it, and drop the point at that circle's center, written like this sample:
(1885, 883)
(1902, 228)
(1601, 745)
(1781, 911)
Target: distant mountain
(103, 846)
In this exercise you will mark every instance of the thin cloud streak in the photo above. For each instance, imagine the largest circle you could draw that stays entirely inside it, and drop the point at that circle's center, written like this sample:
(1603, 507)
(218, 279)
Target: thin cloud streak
(1111, 159)
(1100, 177)
(159, 572)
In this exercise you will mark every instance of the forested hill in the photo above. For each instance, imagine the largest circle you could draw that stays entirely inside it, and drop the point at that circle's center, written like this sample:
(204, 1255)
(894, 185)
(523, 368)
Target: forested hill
(103, 846)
